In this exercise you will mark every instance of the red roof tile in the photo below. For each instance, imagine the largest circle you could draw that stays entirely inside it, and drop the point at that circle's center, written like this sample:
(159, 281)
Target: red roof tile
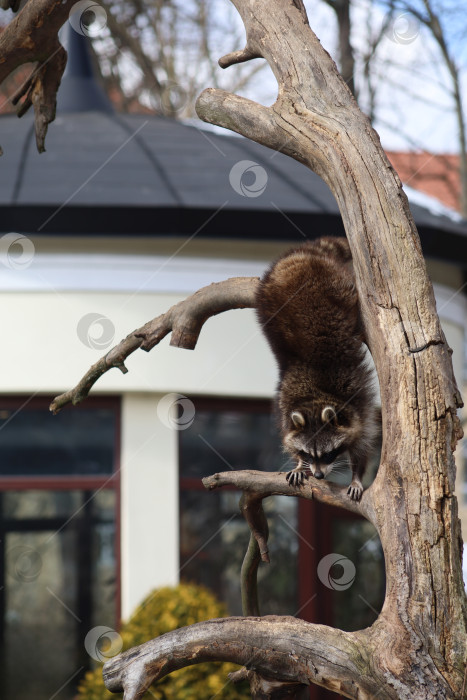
(435, 175)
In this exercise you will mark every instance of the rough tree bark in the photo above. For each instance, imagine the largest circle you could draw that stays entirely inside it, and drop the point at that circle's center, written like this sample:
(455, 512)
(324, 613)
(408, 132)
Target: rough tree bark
(32, 37)
(417, 647)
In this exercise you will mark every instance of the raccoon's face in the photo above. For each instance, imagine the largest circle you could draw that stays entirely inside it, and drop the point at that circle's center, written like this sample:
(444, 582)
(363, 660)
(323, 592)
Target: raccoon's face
(317, 438)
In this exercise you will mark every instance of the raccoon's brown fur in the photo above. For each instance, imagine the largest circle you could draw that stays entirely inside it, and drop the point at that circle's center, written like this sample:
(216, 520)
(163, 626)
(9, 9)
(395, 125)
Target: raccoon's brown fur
(307, 305)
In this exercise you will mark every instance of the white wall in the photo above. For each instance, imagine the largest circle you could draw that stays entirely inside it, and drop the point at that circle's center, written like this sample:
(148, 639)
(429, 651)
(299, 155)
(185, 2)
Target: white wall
(45, 354)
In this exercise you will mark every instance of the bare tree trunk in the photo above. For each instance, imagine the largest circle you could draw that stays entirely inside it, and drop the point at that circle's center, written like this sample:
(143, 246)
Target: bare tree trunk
(417, 647)
(427, 16)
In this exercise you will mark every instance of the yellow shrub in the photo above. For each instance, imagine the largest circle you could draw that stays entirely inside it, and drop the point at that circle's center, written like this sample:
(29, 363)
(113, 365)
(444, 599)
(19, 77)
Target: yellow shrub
(163, 610)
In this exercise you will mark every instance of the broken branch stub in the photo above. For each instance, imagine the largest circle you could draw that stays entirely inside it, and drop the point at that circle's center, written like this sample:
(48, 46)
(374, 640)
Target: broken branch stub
(32, 37)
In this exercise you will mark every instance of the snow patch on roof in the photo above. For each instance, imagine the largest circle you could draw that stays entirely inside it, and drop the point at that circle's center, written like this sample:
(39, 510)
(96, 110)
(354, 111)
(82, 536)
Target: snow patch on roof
(433, 205)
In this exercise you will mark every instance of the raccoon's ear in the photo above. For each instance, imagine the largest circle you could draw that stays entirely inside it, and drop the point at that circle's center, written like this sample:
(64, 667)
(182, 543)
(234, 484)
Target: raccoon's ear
(298, 419)
(328, 414)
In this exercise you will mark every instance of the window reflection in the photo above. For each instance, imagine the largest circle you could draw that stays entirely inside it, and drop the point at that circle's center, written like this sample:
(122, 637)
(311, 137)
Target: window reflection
(33, 442)
(59, 582)
(213, 535)
(358, 606)
(58, 569)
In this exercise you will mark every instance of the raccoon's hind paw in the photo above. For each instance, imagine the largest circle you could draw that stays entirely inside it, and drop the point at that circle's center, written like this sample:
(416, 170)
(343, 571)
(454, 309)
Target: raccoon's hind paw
(355, 490)
(296, 477)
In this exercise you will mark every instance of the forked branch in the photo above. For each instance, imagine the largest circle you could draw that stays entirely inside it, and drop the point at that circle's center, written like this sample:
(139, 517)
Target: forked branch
(184, 320)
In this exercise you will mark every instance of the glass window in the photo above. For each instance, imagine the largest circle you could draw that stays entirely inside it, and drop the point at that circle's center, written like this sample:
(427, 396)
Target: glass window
(213, 535)
(59, 583)
(357, 579)
(231, 438)
(33, 442)
(58, 563)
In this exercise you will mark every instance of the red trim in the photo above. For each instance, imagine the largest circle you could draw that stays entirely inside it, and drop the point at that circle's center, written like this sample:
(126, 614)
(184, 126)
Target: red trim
(118, 515)
(58, 483)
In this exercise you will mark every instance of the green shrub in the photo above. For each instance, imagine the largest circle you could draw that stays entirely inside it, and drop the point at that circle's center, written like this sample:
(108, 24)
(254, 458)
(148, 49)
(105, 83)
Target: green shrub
(162, 611)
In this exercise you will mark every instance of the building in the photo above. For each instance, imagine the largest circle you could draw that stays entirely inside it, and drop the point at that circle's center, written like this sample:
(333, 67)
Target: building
(123, 216)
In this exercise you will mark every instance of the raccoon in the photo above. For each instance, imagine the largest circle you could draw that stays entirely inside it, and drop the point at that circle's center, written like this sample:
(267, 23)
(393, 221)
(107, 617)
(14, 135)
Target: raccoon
(307, 306)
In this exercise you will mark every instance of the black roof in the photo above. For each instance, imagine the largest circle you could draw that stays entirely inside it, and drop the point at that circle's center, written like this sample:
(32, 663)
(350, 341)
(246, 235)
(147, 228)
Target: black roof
(108, 173)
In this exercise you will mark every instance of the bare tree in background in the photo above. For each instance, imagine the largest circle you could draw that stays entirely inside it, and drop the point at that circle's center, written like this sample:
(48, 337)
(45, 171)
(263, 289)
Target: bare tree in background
(372, 71)
(158, 54)
(346, 59)
(435, 18)
(155, 55)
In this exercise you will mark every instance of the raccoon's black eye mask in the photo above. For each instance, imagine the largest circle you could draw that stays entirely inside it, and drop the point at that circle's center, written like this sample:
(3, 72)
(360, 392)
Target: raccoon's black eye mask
(329, 457)
(326, 457)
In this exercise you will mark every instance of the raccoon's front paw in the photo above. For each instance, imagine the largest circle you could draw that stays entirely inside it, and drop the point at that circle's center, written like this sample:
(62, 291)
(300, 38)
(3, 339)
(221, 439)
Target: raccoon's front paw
(296, 477)
(355, 490)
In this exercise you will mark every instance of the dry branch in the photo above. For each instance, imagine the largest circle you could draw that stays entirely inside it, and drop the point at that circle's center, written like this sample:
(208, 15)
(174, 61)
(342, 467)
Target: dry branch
(277, 648)
(184, 320)
(251, 508)
(32, 37)
(40, 91)
(257, 486)
(264, 484)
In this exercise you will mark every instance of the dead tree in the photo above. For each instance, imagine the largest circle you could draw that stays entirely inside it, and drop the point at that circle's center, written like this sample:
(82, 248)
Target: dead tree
(417, 648)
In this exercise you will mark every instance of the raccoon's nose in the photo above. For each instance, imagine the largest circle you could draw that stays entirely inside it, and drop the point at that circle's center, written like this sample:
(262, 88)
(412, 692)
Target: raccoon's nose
(319, 475)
